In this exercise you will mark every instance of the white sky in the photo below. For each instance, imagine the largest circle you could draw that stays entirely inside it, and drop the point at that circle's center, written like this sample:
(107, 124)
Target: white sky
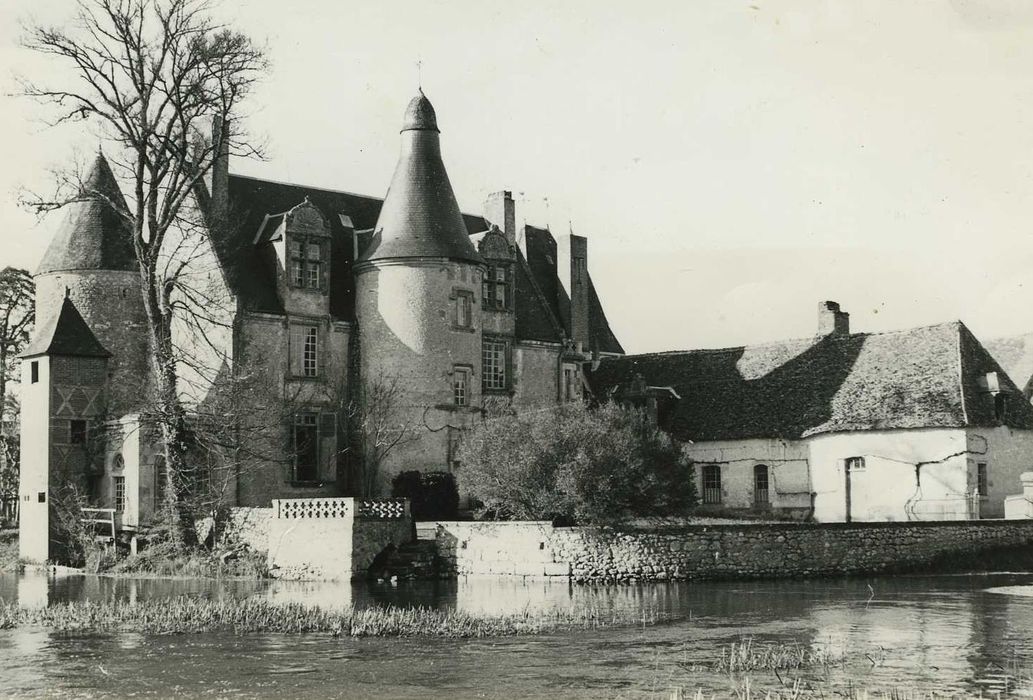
(732, 162)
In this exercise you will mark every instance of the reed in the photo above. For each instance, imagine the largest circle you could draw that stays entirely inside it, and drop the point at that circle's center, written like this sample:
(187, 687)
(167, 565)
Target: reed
(745, 656)
(192, 615)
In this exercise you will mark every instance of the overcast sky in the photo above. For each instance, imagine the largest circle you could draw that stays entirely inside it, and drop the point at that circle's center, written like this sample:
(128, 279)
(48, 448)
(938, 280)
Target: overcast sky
(732, 163)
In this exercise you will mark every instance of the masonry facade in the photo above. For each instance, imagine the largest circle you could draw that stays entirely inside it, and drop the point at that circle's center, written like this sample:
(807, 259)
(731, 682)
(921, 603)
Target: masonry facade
(328, 299)
(915, 425)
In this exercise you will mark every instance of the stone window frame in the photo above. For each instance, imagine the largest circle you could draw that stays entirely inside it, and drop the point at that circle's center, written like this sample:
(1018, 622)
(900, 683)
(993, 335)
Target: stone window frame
(982, 479)
(304, 357)
(462, 301)
(305, 419)
(496, 291)
(462, 396)
(303, 271)
(492, 366)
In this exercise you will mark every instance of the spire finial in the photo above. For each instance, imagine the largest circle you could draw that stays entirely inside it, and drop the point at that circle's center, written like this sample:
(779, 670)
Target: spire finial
(68, 292)
(419, 75)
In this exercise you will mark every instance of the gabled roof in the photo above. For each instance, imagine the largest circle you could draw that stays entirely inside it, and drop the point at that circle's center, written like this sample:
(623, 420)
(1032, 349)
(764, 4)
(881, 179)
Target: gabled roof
(916, 378)
(91, 235)
(250, 268)
(66, 333)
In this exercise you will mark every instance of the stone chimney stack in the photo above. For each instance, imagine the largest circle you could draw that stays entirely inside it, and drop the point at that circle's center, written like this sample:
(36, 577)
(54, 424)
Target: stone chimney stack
(832, 321)
(220, 170)
(580, 331)
(500, 210)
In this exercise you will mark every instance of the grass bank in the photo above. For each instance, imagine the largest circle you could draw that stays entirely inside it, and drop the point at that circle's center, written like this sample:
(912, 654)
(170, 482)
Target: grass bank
(193, 615)
(161, 560)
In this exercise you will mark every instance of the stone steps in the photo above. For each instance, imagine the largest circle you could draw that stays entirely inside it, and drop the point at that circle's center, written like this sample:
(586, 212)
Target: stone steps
(412, 561)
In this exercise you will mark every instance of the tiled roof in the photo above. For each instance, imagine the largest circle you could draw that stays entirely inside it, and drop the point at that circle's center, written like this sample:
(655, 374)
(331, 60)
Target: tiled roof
(1015, 354)
(91, 235)
(66, 334)
(420, 217)
(250, 270)
(916, 378)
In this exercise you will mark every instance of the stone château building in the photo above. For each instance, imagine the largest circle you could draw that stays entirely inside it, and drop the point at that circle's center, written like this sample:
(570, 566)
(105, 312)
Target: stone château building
(322, 294)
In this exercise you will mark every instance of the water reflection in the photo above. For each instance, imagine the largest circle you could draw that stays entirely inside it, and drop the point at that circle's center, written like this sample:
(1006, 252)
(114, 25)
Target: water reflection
(945, 633)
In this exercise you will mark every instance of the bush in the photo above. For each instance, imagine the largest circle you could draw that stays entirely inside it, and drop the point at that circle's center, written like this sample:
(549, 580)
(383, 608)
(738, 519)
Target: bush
(432, 495)
(597, 466)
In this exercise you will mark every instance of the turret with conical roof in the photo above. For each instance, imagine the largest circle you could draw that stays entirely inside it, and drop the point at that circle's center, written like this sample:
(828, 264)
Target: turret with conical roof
(92, 235)
(90, 263)
(420, 217)
(417, 299)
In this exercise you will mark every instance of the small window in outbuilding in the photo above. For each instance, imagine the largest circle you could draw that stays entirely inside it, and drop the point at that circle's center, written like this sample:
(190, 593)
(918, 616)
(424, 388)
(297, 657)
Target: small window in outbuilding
(120, 493)
(982, 482)
(1001, 407)
(711, 484)
(761, 492)
(855, 464)
(34, 372)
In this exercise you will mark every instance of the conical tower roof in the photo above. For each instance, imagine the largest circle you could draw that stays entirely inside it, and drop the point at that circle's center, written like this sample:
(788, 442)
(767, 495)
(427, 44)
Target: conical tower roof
(67, 333)
(91, 235)
(420, 217)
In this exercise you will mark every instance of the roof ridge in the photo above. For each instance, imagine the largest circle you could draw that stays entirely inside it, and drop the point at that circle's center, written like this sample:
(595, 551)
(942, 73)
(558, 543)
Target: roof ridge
(773, 343)
(329, 190)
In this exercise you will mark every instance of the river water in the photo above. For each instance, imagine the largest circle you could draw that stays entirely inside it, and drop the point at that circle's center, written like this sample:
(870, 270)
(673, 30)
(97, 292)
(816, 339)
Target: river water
(960, 635)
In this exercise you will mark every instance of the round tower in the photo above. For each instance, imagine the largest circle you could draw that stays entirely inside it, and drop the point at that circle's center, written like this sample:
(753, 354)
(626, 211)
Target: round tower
(91, 261)
(417, 303)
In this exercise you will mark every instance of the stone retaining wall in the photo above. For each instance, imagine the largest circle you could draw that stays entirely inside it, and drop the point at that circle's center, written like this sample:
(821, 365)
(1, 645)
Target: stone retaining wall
(716, 551)
(326, 539)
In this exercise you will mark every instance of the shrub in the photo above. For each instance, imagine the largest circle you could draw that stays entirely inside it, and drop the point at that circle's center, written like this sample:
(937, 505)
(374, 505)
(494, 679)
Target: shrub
(432, 495)
(596, 466)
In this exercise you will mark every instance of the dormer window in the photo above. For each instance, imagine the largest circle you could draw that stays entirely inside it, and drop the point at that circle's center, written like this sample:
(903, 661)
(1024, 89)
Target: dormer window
(306, 263)
(495, 287)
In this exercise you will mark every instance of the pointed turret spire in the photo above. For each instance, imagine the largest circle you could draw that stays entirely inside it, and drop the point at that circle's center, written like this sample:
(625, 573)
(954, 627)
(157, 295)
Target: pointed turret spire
(92, 236)
(420, 217)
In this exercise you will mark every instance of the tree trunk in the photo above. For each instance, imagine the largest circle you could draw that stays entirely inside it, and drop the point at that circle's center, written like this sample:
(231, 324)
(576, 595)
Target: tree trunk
(178, 511)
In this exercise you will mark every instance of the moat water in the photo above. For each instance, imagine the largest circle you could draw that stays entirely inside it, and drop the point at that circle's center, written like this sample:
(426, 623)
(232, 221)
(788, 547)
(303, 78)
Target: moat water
(961, 635)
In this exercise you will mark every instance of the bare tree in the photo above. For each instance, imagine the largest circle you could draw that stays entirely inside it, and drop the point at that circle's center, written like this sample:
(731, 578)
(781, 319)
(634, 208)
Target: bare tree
(17, 315)
(153, 76)
(379, 425)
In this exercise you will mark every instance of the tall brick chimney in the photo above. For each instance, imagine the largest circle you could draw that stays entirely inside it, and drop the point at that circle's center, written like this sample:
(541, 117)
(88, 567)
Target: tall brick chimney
(832, 321)
(500, 210)
(579, 326)
(220, 170)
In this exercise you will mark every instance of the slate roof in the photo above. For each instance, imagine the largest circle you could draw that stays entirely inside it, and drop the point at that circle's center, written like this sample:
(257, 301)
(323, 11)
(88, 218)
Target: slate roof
(91, 235)
(1015, 354)
(420, 217)
(66, 333)
(420, 114)
(916, 378)
(250, 270)
(542, 265)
